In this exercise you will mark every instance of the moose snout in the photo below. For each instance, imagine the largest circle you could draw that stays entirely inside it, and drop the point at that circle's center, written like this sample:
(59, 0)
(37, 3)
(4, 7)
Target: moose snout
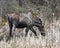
(43, 34)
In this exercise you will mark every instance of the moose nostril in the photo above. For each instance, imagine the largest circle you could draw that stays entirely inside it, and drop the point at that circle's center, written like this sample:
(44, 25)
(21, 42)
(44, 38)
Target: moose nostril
(42, 26)
(43, 34)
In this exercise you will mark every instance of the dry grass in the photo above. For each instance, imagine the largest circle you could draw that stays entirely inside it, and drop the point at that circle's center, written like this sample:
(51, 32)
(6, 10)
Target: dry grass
(51, 40)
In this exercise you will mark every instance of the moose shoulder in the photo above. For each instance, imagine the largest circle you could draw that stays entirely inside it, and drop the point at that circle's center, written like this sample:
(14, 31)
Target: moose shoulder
(25, 21)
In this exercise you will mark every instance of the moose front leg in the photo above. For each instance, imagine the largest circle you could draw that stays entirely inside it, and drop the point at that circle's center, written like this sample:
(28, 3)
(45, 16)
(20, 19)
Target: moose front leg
(33, 31)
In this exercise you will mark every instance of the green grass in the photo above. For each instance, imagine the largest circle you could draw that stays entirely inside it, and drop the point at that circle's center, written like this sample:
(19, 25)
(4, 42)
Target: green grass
(2, 23)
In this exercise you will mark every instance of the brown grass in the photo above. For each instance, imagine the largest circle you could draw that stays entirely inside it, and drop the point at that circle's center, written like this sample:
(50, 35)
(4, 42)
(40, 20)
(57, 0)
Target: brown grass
(51, 40)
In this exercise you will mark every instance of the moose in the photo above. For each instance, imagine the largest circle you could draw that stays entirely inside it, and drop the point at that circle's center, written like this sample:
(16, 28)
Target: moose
(25, 21)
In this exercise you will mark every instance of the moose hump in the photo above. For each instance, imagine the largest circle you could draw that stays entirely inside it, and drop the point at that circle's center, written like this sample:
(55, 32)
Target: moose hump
(26, 17)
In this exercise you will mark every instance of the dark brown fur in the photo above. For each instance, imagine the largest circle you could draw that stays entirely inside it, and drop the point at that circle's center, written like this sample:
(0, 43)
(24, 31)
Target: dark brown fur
(25, 22)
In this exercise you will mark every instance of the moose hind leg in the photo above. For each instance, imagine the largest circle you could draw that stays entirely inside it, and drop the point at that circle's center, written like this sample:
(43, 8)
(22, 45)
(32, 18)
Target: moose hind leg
(26, 32)
(10, 31)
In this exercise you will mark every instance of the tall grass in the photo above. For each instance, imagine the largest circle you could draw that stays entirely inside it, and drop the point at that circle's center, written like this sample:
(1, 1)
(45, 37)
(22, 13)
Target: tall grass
(51, 40)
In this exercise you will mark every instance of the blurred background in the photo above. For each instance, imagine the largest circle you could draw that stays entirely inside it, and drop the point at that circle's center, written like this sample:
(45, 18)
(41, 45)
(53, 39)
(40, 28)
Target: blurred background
(47, 10)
